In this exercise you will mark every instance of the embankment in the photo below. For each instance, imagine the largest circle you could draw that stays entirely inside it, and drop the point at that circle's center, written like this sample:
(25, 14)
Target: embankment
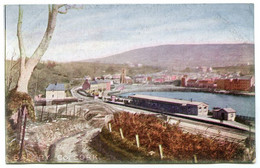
(172, 88)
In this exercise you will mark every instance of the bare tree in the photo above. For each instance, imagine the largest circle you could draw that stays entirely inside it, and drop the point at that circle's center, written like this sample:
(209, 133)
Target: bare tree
(28, 66)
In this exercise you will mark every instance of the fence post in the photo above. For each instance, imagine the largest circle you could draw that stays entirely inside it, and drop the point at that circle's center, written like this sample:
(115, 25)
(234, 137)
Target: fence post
(121, 133)
(109, 127)
(23, 133)
(42, 112)
(74, 110)
(66, 109)
(161, 151)
(47, 114)
(56, 111)
(80, 111)
(19, 124)
(195, 159)
(137, 140)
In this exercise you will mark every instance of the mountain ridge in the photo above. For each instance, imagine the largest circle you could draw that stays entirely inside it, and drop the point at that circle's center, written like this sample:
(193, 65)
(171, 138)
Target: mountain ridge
(179, 56)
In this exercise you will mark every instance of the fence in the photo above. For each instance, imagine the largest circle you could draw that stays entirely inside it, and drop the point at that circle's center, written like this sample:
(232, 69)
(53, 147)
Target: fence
(45, 112)
(245, 118)
(20, 127)
(48, 112)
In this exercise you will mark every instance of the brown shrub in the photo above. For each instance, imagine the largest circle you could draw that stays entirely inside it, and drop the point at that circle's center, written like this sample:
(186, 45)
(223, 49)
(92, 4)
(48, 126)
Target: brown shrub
(176, 144)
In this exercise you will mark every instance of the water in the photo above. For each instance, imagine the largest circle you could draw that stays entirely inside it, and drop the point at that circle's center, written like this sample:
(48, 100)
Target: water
(244, 105)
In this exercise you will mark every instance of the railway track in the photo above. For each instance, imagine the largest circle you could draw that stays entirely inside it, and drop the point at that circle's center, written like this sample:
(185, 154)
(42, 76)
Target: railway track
(187, 125)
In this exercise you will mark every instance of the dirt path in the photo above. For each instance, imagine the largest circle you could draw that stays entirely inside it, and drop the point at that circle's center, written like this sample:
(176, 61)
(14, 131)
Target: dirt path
(65, 140)
(74, 149)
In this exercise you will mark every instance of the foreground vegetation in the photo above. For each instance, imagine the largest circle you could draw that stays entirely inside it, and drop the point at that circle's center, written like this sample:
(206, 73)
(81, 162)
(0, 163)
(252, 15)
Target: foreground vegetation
(178, 147)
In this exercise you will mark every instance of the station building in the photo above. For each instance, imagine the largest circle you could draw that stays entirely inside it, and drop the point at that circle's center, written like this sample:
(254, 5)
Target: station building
(168, 105)
(224, 114)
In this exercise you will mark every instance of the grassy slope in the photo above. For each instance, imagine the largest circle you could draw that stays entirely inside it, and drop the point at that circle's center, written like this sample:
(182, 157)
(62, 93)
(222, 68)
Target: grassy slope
(244, 69)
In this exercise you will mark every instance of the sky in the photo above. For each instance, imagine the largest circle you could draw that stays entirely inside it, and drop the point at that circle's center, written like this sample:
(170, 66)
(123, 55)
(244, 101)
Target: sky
(95, 31)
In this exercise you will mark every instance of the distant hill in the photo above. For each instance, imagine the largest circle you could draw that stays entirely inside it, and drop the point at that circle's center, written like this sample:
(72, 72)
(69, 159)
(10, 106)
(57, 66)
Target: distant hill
(185, 55)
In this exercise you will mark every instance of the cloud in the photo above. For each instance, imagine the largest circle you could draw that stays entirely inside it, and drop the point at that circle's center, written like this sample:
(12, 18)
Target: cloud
(103, 30)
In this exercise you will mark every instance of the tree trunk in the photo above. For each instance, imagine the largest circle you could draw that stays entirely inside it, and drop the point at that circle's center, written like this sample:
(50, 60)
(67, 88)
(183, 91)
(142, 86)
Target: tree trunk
(28, 67)
(24, 78)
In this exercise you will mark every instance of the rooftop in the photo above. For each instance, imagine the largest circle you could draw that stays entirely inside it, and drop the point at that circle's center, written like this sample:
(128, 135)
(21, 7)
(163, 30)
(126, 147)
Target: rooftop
(238, 78)
(229, 110)
(169, 100)
(56, 87)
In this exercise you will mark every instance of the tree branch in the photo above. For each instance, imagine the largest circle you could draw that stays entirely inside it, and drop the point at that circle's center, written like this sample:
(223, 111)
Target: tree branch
(42, 47)
(20, 37)
(60, 6)
(63, 12)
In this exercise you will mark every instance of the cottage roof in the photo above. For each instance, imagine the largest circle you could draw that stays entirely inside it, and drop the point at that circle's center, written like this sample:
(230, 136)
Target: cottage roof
(192, 80)
(93, 82)
(98, 81)
(237, 78)
(56, 87)
(178, 101)
(229, 110)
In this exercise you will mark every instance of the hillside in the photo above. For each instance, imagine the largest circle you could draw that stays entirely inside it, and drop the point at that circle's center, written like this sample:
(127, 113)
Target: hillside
(51, 72)
(185, 55)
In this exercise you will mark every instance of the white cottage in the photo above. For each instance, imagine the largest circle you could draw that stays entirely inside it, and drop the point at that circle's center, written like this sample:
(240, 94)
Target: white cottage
(55, 91)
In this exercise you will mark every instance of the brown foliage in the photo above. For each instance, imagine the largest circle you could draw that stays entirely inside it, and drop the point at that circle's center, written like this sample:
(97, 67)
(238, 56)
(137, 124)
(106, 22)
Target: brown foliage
(176, 144)
(16, 99)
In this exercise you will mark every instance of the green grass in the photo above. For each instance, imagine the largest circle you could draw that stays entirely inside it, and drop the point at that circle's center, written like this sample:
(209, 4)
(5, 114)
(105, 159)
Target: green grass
(243, 69)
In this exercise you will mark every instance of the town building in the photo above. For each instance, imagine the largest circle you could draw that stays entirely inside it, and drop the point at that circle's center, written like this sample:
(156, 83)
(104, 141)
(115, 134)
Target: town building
(168, 105)
(191, 83)
(128, 80)
(107, 76)
(224, 114)
(206, 83)
(140, 79)
(55, 91)
(116, 78)
(158, 80)
(96, 85)
(164, 78)
(184, 80)
(241, 84)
